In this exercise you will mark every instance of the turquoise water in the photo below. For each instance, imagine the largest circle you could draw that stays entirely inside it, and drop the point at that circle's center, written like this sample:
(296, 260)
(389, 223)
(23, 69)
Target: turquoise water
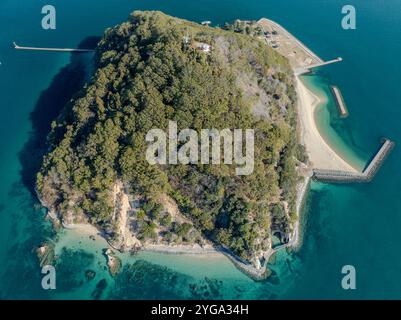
(343, 224)
(330, 124)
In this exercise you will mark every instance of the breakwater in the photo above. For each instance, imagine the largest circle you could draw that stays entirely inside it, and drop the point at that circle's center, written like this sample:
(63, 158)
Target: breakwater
(339, 101)
(354, 177)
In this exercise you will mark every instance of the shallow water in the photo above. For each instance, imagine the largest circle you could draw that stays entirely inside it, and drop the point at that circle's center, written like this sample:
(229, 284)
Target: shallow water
(344, 224)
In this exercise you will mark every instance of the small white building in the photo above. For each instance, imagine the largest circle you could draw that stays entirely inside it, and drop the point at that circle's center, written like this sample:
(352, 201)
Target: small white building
(186, 39)
(203, 47)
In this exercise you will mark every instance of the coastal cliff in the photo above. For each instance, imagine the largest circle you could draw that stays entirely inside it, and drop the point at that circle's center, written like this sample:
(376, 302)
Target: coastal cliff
(154, 69)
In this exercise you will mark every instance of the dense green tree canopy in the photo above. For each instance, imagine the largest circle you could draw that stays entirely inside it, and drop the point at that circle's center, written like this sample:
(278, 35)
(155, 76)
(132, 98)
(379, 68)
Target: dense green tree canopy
(149, 70)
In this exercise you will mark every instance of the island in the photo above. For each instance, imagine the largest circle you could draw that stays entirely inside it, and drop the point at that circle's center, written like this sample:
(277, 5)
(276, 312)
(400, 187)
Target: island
(156, 69)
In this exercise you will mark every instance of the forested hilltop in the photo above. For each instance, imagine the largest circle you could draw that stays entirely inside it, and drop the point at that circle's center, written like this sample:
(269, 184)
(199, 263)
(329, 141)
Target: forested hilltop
(152, 69)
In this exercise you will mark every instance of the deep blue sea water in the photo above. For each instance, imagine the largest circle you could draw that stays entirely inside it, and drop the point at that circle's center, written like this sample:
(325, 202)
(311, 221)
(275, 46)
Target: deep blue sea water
(344, 224)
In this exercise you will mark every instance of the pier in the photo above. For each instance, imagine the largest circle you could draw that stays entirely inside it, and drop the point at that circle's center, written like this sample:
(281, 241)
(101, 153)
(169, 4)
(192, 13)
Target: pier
(301, 58)
(339, 101)
(351, 177)
(325, 63)
(308, 69)
(52, 49)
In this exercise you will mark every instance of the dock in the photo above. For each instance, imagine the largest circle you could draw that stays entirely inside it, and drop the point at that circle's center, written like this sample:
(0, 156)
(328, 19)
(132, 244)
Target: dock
(206, 23)
(308, 69)
(17, 47)
(354, 177)
(325, 63)
(339, 101)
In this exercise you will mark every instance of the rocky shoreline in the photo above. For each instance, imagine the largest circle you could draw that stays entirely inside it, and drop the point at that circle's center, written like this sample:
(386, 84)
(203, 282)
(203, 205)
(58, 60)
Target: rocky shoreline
(114, 263)
(207, 248)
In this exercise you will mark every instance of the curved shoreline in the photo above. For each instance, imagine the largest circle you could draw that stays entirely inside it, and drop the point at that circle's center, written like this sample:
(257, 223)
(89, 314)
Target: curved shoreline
(344, 151)
(321, 154)
(308, 102)
(210, 250)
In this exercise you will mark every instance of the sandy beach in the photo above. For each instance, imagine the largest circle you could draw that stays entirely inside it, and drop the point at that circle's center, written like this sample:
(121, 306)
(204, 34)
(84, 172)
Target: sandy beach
(301, 58)
(207, 251)
(321, 155)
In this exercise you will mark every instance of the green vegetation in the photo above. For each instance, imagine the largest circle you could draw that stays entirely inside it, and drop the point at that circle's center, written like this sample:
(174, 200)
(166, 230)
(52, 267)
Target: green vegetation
(244, 27)
(149, 71)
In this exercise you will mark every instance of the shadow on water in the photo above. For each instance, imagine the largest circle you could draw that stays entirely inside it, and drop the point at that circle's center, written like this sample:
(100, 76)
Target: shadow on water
(21, 275)
(65, 84)
(89, 42)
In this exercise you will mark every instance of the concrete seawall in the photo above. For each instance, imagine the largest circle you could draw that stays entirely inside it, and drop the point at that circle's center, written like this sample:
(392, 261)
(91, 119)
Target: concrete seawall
(351, 177)
(342, 108)
(315, 58)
